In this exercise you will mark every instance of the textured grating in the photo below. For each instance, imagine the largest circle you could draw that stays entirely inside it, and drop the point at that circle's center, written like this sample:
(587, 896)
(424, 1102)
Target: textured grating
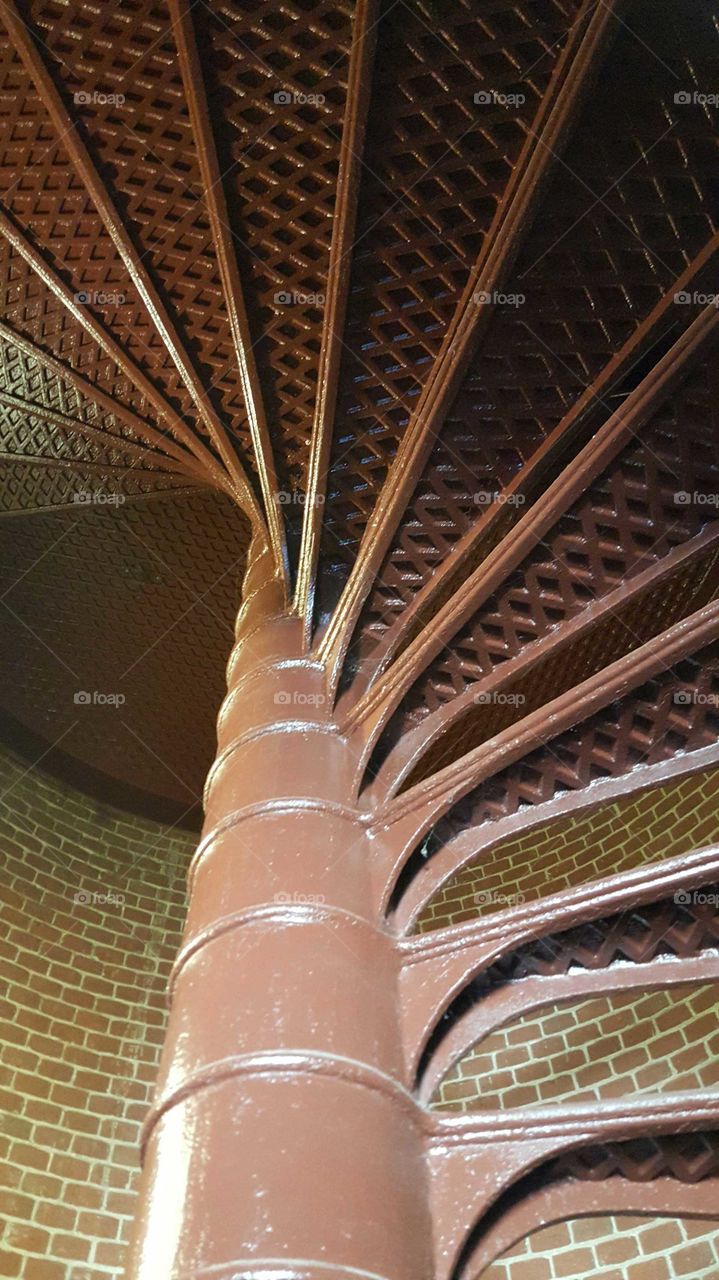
(437, 166)
(33, 312)
(121, 567)
(618, 223)
(675, 712)
(51, 204)
(25, 378)
(680, 926)
(689, 588)
(276, 79)
(145, 143)
(632, 517)
(622, 211)
(25, 486)
(689, 1157)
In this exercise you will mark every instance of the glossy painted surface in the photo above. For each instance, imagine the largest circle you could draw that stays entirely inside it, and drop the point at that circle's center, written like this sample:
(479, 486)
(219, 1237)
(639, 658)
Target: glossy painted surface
(291, 1133)
(422, 368)
(282, 1086)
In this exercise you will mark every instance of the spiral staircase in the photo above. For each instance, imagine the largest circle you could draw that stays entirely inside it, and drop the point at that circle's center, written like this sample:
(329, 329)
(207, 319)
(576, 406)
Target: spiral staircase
(402, 314)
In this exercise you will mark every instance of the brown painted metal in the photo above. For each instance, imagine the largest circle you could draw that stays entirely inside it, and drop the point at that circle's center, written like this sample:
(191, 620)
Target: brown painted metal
(348, 183)
(468, 845)
(437, 966)
(618, 428)
(575, 65)
(663, 1198)
(588, 276)
(315, 1053)
(424, 606)
(95, 394)
(509, 1004)
(292, 1134)
(137, 272)
(107, 342)
(413, 812)
(304, 1069)
(74, 428)
(473, 1160)
(401, 763)
(229, 270)
(130, 499)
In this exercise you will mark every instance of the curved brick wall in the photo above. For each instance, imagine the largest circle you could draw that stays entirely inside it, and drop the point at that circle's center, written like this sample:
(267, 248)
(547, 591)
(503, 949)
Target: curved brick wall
(661, 822)
(91, 909)
(614, 1248)
(606, 1047)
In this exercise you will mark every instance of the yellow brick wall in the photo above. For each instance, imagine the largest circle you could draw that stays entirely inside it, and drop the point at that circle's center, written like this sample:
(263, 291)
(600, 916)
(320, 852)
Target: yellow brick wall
(614, 1248)
(661, 822)
(605, 1047)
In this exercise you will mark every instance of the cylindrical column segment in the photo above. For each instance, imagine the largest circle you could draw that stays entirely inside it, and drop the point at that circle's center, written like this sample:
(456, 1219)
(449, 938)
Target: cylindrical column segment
(283, 1142)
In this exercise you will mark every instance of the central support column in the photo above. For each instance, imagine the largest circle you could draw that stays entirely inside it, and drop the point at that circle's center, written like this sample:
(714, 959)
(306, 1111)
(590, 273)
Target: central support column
(282, 1143)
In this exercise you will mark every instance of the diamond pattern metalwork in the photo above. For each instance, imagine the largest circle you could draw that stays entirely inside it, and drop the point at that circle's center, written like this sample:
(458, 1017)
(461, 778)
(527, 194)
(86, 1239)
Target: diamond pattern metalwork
(238, 255)
(589, 273)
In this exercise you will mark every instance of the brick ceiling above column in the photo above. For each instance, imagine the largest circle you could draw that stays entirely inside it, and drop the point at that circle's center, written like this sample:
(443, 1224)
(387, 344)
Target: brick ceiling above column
(419, 292)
